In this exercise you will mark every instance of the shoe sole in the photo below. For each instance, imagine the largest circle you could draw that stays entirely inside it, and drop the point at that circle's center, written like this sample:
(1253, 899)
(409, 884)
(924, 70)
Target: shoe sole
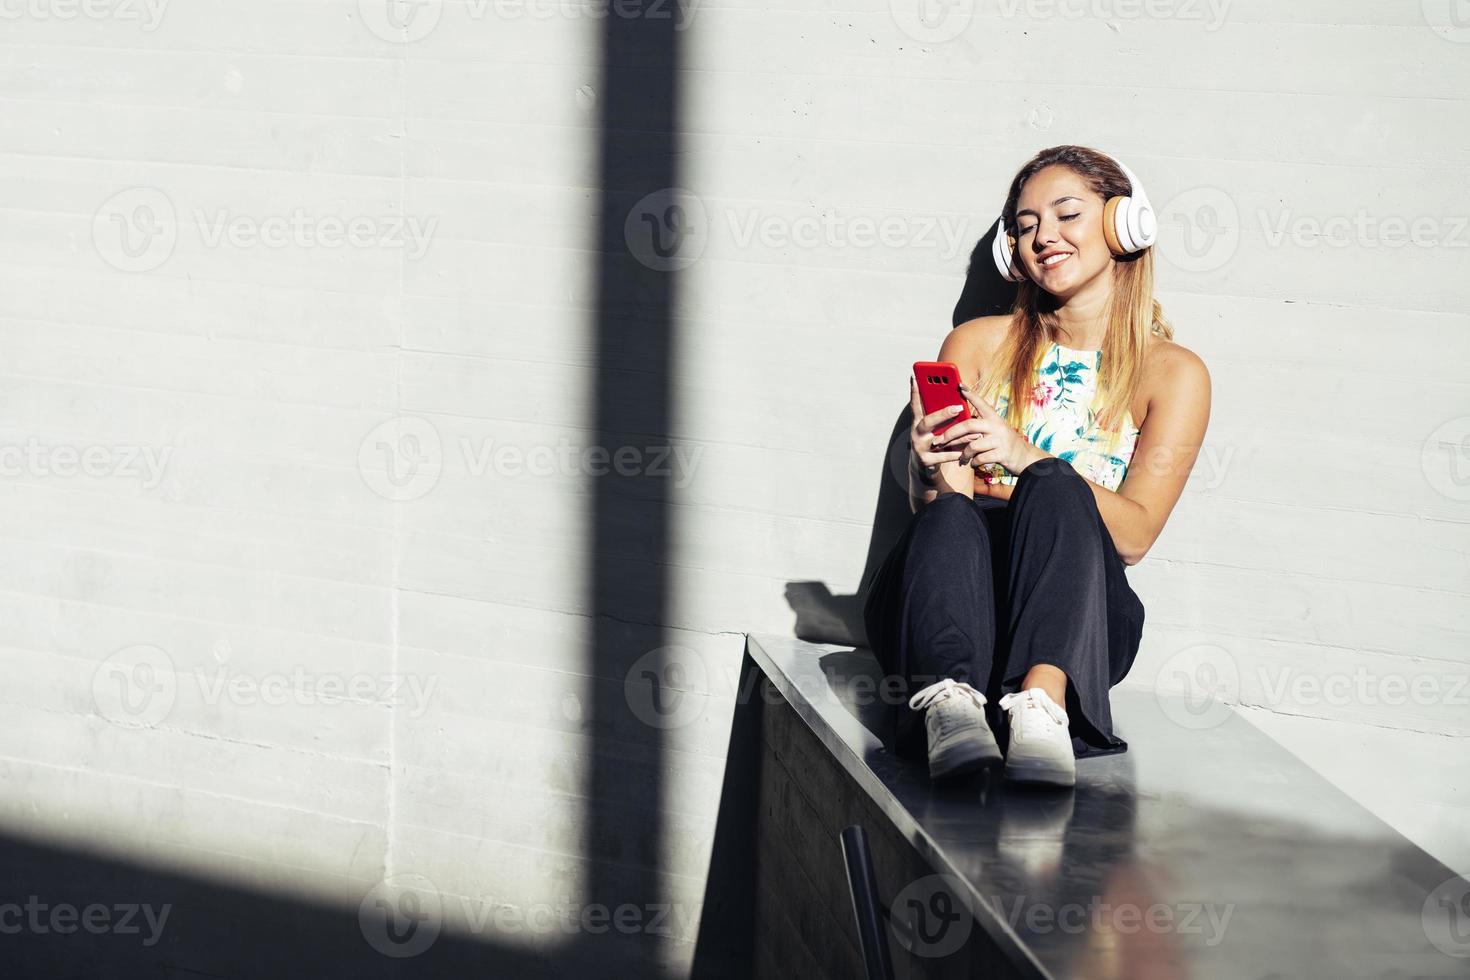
(1030, 772)
(964, 759)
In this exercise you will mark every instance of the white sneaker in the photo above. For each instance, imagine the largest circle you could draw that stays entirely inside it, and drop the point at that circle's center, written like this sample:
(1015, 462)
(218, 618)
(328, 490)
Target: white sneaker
(960, 740)
(1041, 747)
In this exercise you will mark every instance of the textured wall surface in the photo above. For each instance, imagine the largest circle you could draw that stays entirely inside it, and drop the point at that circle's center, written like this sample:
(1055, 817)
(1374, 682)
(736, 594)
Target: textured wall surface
(331, 557)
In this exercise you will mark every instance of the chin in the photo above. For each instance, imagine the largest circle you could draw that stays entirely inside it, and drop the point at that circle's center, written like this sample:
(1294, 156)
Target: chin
(1065, 286)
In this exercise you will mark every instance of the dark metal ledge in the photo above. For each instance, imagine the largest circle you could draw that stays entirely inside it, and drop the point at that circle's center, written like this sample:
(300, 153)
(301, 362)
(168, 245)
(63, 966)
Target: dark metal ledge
(1205, 851)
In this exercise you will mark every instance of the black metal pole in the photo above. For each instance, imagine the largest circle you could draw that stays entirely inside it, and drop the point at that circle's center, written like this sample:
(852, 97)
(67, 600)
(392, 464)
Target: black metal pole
(863, 885)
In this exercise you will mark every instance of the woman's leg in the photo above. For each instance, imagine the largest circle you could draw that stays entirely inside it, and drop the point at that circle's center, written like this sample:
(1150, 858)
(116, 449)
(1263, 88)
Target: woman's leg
(930, 613)
(1074, 622)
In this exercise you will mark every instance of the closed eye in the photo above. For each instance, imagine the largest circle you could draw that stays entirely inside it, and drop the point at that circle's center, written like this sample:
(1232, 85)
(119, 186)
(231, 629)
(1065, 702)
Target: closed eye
(1065, 217)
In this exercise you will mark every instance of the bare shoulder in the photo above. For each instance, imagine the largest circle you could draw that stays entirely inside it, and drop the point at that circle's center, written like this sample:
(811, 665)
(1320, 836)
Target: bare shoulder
(1172, 366)
(985, 332)
(1177, 377)
(974, 342)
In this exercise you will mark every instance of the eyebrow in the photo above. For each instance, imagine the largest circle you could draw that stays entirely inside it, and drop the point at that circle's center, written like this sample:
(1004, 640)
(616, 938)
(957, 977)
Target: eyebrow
(1060, 200)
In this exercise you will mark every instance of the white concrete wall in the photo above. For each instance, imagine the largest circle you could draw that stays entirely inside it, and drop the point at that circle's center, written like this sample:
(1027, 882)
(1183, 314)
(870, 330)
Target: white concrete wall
(1324, 536)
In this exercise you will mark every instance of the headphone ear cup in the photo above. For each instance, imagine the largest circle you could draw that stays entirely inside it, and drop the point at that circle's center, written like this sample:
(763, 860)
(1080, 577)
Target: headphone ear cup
(1114, 229)
(1129, 221)
(1003, 255)
(1129, 225)
(1144, 222)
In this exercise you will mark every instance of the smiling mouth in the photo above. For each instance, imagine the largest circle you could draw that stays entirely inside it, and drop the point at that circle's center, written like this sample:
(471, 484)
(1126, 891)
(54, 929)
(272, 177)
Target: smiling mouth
(1055, 261)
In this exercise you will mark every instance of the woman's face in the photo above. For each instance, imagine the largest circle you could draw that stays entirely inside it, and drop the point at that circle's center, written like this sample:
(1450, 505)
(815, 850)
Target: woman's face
(1059, 232)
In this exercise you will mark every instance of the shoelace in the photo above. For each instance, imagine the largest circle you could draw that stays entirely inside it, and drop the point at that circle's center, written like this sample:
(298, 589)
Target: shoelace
(1035, 697)
(942, 691)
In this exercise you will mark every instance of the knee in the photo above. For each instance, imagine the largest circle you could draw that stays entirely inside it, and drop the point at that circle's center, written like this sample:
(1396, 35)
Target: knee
(948, 507)
(1055, 480)
(950, 516)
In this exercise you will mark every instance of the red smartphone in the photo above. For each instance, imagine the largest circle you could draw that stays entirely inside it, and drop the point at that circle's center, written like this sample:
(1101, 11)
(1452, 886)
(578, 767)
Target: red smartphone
(939, 387)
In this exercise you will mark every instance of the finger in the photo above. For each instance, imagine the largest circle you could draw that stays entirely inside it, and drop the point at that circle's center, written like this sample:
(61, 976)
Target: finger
(930, 460)
(982, 407)
(968, 428)
(916, 404)
(975, 447)
(939, 418)
(988, 455)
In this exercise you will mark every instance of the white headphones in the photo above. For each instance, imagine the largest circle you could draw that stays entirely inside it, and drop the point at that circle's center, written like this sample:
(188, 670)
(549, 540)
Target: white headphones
(1129, 225)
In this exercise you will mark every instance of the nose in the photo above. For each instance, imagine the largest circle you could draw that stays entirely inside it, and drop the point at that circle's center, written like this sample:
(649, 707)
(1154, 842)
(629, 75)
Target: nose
(1047, 230)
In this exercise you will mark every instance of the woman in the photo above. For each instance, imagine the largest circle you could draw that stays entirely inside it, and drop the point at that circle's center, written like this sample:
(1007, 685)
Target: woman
(1010, 577)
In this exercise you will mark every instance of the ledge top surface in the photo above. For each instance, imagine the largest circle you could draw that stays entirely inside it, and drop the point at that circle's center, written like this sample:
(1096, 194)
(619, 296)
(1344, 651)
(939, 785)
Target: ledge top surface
(1206, 850)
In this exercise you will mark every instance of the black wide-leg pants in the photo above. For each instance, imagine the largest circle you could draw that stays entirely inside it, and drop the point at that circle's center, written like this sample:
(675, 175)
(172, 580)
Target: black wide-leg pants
(982, 590)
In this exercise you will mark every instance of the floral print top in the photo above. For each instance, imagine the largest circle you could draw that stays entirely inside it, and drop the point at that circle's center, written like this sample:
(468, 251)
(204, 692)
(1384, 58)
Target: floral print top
(1061, 420)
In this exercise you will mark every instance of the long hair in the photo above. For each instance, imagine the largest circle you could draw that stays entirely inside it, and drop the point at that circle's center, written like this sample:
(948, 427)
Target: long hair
(1133, 313)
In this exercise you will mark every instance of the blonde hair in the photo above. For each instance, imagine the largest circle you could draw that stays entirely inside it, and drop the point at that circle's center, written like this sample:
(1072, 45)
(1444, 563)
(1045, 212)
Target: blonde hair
(1132, 315)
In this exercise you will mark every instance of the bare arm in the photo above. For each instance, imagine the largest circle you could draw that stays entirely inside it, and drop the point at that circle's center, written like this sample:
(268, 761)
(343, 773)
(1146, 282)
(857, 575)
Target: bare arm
(1169, 443)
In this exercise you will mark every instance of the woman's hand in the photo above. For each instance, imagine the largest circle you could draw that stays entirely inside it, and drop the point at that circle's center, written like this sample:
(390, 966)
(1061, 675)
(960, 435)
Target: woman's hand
(987, 438)
(922, 439)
